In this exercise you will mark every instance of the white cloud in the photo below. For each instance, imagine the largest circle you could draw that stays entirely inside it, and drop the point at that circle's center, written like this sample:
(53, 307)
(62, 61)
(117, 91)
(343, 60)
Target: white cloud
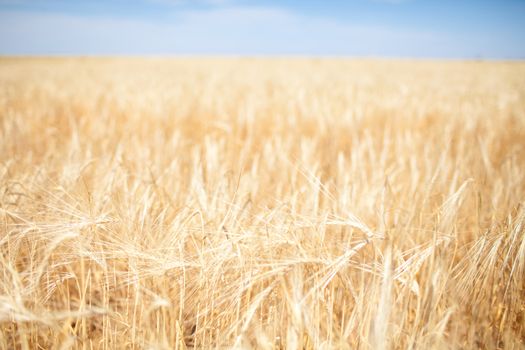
(188, 2)
(218, 30)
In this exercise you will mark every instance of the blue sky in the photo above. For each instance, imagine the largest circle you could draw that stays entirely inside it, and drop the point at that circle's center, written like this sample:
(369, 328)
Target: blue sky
(378, 28)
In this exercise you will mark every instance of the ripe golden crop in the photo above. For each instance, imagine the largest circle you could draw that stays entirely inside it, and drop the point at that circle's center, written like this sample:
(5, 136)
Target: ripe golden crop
(261, 203)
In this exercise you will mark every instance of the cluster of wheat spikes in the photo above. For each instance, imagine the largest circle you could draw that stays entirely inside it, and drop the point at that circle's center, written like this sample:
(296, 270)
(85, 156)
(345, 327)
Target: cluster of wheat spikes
(269, 204)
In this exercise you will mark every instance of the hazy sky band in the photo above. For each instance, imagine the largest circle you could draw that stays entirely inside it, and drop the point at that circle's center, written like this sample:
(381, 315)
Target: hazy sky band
(412, 28)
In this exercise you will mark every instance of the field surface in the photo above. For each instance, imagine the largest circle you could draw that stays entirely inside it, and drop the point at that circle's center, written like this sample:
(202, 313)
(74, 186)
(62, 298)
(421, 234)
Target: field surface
(261, 203)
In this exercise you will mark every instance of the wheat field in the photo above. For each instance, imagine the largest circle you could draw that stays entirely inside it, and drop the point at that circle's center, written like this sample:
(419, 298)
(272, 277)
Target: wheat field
(150, 203)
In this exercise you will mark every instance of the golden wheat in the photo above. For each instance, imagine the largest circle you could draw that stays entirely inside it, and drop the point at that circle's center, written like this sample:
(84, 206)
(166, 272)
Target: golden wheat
(261, 203)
